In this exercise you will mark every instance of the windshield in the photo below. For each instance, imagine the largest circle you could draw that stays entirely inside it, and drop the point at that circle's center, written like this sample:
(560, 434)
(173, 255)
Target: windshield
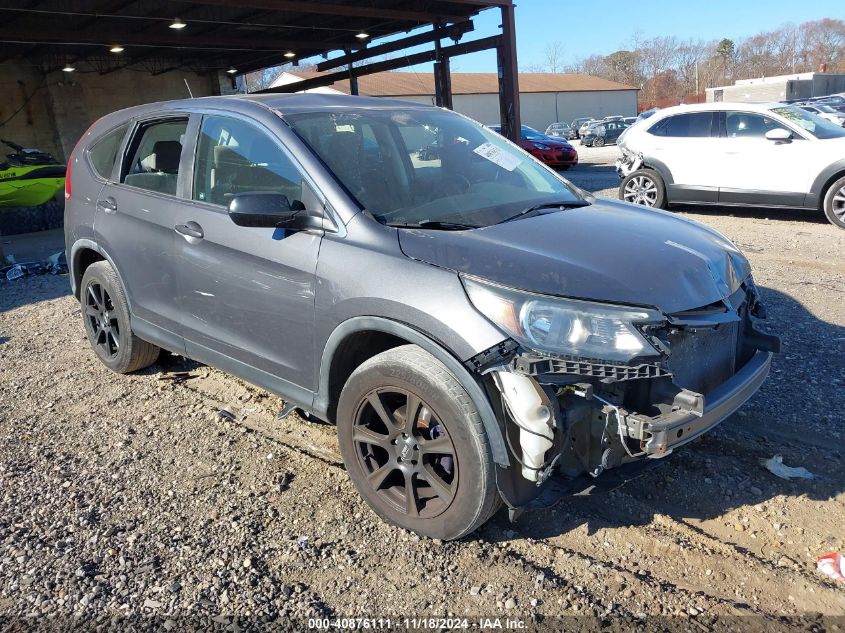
(824, 108)
(812, 123)
(422, 166)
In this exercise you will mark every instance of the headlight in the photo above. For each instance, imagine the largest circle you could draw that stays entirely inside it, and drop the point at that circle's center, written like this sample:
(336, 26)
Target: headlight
(541, 146)
(565, 326)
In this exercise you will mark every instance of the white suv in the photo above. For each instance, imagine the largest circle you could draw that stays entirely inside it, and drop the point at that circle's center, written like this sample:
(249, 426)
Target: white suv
(768, 155)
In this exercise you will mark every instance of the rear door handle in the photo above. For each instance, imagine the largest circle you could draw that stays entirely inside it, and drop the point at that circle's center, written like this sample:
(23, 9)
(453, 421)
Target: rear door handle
(107, 204)
(191, 229)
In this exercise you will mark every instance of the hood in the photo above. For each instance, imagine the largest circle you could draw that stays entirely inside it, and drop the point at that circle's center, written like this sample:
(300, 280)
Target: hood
(609, 251)
(551, 142)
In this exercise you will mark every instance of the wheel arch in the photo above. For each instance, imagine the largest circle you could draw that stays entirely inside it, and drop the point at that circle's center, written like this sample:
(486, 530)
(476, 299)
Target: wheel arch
(822, 183)
(660, 167)
(360, 338)
(83, 253)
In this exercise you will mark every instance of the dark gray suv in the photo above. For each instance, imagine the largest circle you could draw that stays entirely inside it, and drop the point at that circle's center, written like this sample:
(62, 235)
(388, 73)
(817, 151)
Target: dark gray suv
(473, 323)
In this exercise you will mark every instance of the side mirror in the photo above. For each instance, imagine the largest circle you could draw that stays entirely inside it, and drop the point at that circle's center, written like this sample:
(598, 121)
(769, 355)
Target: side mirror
(779, 134)
(272, 210)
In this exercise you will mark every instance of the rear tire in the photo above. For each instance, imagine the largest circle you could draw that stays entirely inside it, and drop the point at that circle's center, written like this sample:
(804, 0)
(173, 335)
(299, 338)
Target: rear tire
(645, 187)
(434, 476)
(105, 314)
(834, 203)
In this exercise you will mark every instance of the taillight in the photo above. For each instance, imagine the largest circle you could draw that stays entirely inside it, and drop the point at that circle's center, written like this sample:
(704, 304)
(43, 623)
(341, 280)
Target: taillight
(68, 184)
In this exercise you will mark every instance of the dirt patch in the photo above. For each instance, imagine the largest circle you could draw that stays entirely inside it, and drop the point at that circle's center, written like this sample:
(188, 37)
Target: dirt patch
(131, 497)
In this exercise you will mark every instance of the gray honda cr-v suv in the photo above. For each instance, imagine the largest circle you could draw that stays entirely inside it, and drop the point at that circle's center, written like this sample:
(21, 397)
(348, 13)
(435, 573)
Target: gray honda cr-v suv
(472, 322)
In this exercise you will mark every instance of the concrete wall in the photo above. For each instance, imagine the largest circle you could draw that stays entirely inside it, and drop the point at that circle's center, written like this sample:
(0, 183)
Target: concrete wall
(801, 86)
(34, 125)
(746, 93)
(539, 109)
(65, 104)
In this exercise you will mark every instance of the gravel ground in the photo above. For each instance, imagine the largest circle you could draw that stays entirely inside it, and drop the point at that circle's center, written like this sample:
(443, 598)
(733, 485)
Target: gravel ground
(130, 501)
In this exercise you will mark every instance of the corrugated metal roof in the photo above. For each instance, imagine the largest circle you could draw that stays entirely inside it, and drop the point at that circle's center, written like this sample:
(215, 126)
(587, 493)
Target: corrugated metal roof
(404, 84)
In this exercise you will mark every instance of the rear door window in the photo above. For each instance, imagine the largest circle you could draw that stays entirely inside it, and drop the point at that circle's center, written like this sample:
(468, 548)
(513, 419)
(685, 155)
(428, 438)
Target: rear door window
(103, 152)
(690, 125)
(154, 156)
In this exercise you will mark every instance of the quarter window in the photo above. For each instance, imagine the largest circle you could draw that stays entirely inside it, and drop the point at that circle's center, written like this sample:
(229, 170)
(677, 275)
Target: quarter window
(155, 156)
(104, 152)
(236, 157)
(692, 125)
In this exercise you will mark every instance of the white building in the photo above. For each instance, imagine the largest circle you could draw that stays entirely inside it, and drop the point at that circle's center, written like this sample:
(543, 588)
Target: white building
(779, 88)
(544, 97)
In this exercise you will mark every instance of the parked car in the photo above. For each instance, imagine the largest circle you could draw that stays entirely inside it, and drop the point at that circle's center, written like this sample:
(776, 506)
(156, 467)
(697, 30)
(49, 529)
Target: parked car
(554, 152)
(559, 130)
(826, 112)
(645, 114)
(603, 133)
(836, 101)
(473, 324)
(615, 117)
(630, 120)
(585, 125)
(577, 123)
(736, 154)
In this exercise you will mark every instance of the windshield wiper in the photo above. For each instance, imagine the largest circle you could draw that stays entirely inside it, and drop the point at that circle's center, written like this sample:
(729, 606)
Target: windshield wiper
(569, 204)
(436, 224)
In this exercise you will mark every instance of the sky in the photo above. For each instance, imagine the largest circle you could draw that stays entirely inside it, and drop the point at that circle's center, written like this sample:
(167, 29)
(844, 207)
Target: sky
(589, 28)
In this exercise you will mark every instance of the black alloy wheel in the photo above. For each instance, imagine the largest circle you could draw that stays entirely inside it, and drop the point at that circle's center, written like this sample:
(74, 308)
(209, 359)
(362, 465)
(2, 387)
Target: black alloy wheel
(102, 319)
(406, 452)
(105, 314)
(415, 446)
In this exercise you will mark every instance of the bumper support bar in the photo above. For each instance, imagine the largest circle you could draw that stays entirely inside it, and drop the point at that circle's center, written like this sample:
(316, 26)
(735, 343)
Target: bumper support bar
(666, 432)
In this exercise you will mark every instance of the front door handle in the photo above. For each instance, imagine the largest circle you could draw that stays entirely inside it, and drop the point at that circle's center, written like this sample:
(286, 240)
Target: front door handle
(107, 204)
(191, 229)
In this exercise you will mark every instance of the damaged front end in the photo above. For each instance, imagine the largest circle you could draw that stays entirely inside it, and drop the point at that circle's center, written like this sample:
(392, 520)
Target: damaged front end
(629, 162)
(649, 382)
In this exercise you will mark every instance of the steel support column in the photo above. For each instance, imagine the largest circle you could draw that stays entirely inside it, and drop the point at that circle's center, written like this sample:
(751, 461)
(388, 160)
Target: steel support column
(443, 84)
(353, 81)
(508, 77)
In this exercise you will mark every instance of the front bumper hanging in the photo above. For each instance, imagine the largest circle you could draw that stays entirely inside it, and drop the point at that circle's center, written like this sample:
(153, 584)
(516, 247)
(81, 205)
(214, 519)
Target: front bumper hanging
(661, 434)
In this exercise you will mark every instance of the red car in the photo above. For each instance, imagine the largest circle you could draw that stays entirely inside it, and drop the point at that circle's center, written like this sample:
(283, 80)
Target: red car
(554, 152)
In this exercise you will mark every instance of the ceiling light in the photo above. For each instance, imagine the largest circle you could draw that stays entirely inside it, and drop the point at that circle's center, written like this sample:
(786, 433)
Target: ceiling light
(68, 68)
(232, 70)
(117, 48)
(290, 54)
(362, 35)
(177, 24)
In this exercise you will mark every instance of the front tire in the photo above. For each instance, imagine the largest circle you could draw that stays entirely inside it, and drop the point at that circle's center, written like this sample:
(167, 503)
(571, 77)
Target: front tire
(429, 471)
(105, 313)
(834, 203)
(645, 187)
(599, 142)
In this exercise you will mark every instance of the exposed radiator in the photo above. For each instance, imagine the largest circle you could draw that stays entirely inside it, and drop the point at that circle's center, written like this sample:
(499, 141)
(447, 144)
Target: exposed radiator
(703, 359)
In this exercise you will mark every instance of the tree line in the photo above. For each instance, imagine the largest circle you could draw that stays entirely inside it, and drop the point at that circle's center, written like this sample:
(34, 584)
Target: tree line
(667, 68)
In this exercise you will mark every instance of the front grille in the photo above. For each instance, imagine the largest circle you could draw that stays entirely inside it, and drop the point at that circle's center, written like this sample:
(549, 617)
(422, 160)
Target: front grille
(701, 359)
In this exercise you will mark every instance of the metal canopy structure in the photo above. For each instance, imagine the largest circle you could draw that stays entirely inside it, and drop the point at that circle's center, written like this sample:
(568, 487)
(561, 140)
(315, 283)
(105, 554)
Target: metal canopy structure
(504, 44)
(159, 36)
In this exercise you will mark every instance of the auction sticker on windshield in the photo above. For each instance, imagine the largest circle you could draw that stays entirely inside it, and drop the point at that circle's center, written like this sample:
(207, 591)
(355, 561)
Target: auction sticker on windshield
(496, 155)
